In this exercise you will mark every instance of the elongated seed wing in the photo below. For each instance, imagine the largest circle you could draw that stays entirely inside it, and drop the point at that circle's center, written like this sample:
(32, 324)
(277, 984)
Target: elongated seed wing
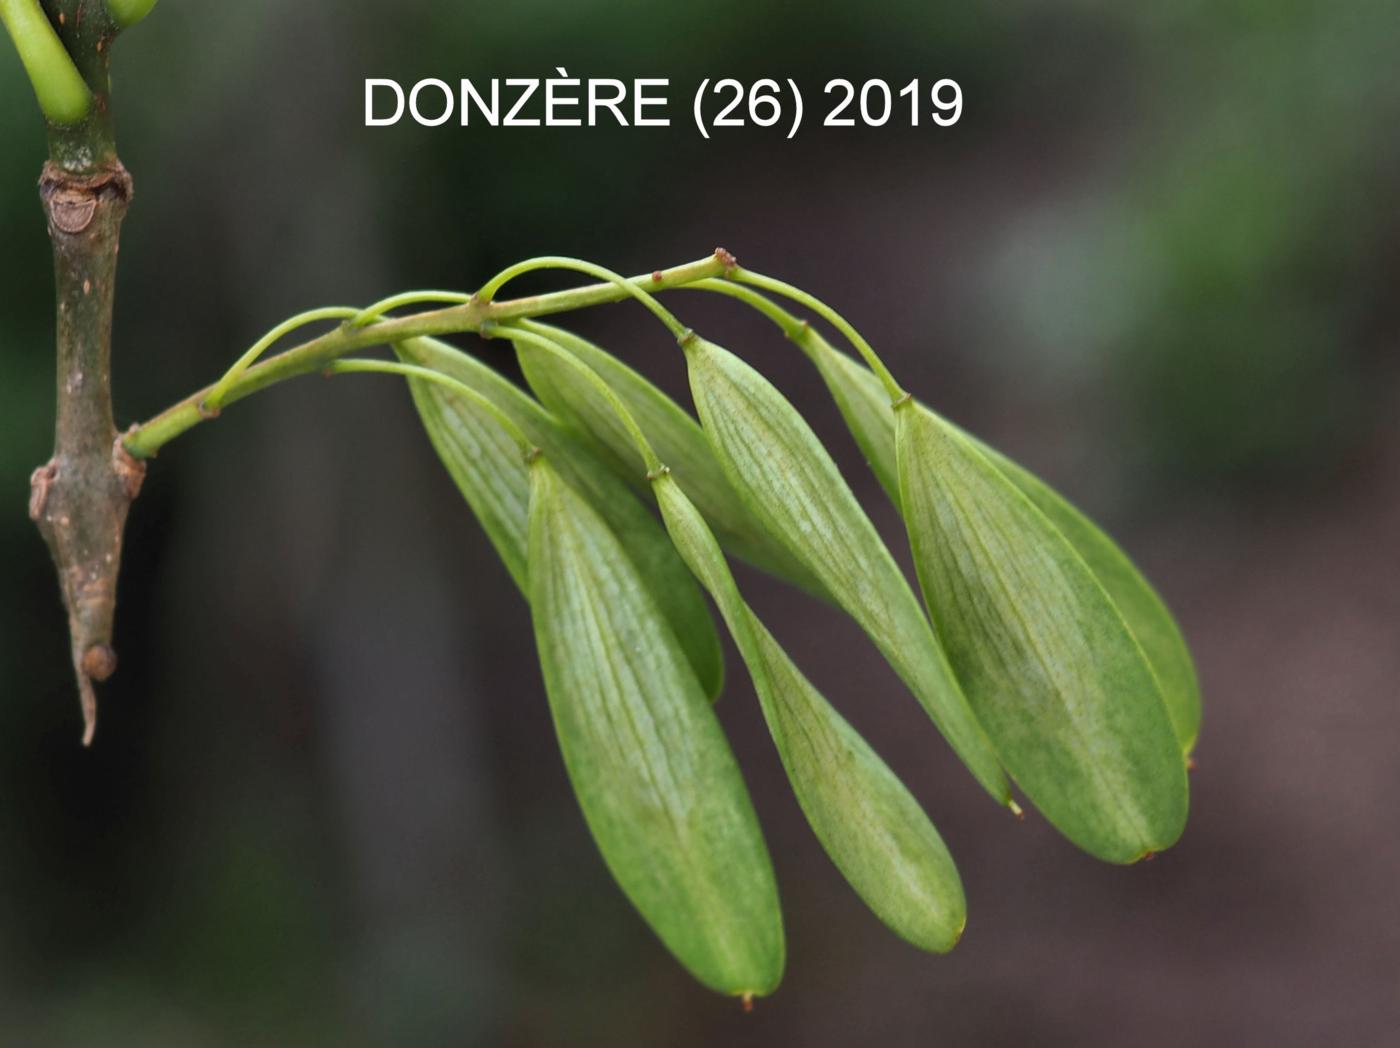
(865, 406)
(653, 773)
(672, 432)
(485, 461)
(870, 825)
(1055, 675)
(489, 471)
(779, 468)
(1143, 610)
(863, 403)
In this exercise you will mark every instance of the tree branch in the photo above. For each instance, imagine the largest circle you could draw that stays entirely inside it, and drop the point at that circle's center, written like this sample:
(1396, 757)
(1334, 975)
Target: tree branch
(80, 498)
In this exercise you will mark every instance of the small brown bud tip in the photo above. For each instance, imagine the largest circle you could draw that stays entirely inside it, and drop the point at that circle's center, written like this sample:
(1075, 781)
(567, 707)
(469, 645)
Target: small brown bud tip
(1148, 856)
(533, 454)
(99, 662)
(686, 337)
(747, 1001)
(657, 276)
(39, 483)
(205, 411)
(1190, 763)
(1016, 811)
(902, 400)
(130, 470)
(725, 258)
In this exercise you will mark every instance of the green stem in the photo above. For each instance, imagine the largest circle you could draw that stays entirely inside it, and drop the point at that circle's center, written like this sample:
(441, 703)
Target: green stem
(598, 294)
(792, 326)
(214, 401)
(126, 13)
(145, 440)
(796, 329)
(894, 389)
(62, 93)
(653, 463)
(460, 389)
(408, 298)
(531, 265)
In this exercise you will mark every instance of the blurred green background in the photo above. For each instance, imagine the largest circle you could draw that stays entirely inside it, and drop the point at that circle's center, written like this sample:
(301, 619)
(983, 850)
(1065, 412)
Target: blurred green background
(1156, 260)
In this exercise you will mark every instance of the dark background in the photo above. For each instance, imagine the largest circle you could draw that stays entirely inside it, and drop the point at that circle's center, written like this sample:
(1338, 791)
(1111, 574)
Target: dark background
(1157, 261)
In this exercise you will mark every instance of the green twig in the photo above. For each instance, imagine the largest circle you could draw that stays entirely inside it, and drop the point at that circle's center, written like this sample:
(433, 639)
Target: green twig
(452, 385)
(896, 392)
(126, 13)
(408, 298)
(214, 401)
(792, 326)
(578, 265)
(145, 440)
(62, 93)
